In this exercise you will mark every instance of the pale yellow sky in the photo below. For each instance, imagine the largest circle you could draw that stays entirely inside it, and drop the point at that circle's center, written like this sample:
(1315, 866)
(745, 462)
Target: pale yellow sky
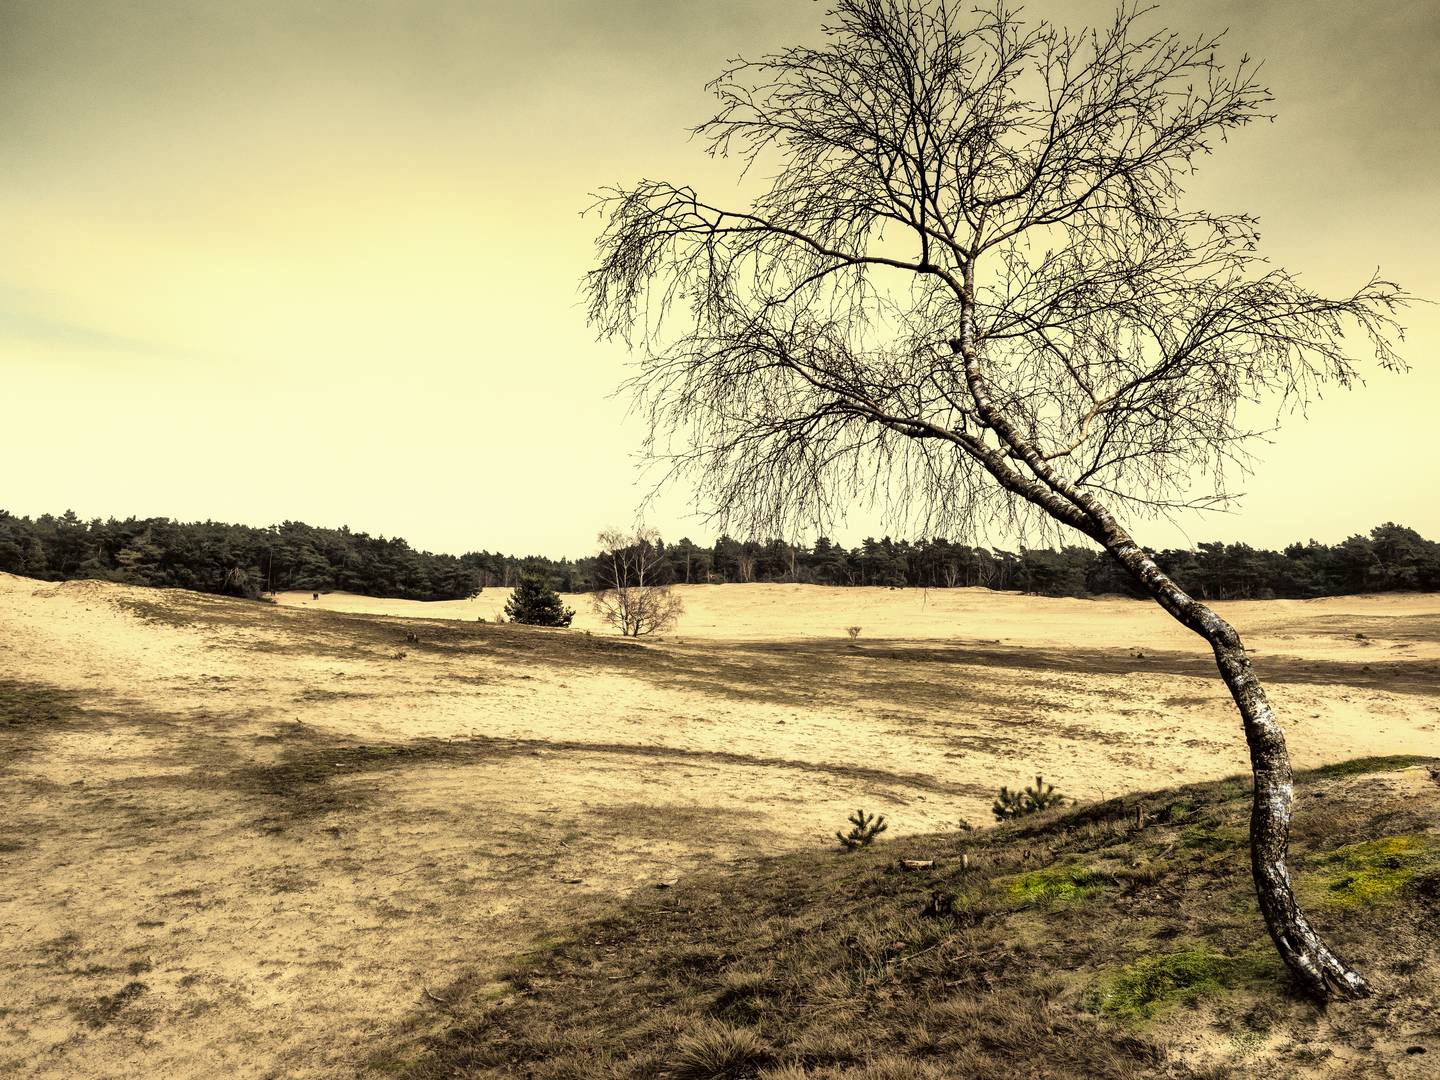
(319, 260)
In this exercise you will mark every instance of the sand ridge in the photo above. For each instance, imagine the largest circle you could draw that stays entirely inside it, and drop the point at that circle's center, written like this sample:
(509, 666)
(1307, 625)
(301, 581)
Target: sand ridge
(1329, 628)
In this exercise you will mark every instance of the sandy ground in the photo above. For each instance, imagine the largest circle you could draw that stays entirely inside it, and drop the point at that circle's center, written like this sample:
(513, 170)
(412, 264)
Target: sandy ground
(253, 840)
(1330, 628)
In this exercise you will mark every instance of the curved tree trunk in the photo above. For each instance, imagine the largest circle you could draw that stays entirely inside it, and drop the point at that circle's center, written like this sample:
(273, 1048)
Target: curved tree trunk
(1316, 967)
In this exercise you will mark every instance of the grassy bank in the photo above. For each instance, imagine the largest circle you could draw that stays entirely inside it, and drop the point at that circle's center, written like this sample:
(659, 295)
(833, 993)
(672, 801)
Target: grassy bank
(1118, 939)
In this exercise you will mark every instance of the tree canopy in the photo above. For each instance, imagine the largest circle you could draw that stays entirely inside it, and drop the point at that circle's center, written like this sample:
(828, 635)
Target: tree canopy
(974, 237)
(205, 556)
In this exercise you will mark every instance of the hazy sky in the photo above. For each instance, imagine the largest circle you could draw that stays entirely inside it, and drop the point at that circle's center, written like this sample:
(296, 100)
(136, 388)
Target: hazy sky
(318, 259)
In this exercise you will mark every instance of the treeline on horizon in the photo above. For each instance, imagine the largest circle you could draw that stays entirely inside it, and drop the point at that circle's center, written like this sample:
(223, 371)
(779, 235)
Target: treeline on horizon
(242, 560)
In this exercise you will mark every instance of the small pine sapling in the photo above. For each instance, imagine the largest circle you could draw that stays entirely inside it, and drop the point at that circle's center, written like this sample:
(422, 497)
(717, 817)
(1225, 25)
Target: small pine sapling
(1013, 804)
(1010, 804)
(864, 828)
(1043, 796)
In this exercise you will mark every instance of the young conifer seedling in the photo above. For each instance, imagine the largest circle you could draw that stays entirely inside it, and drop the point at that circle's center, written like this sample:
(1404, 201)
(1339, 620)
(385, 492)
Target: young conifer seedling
(1013, 804)
(864, 828)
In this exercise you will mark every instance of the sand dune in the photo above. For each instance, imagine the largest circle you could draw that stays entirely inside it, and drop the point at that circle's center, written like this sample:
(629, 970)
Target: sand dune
(260, 840)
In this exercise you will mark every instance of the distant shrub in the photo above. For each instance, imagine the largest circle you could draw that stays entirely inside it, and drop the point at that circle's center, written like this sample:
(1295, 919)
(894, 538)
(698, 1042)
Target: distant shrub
(237, 581)
(864, 828)
(853, 631)
(1014, 804)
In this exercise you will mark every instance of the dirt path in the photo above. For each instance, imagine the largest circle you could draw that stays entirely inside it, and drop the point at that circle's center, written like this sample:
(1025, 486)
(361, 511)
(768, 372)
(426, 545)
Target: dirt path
(251, 840)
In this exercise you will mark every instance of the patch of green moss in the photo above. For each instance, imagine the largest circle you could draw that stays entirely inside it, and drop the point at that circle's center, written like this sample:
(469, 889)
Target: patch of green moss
(1177, 811)
(1150, 985)
(1234, 790)
(1370, 872)
(1210, 835)
(1366, 765)
(1062, 884)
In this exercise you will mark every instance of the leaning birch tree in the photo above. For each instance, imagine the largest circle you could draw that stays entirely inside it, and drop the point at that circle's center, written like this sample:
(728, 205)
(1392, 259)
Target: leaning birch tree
(968, 284)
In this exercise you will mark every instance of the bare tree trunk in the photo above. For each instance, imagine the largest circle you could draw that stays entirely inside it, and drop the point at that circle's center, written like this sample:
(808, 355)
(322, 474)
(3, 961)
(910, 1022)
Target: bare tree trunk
(1317, 968)
(1311, 961)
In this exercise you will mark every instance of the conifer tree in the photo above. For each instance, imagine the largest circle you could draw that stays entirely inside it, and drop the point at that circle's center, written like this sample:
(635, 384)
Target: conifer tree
(535, 603)
(864, 829)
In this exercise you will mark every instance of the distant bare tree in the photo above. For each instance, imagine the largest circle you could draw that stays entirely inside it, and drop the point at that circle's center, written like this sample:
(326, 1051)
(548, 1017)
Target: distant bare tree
(970, 290)
(631, 597)
(745, 565)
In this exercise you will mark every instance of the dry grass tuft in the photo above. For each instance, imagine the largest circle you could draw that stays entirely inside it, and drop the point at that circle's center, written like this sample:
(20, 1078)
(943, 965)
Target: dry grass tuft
(718, 1051)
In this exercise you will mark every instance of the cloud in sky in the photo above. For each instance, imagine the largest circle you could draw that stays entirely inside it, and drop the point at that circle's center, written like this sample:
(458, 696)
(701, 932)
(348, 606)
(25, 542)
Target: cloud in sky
(321, 260)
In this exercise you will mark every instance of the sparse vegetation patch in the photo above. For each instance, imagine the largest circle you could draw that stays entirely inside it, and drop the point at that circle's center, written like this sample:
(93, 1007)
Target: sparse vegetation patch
(1064, 884)
(1211, 836)
(106, 1009)
(25, 704)
(1366, 766)
(833, 966)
